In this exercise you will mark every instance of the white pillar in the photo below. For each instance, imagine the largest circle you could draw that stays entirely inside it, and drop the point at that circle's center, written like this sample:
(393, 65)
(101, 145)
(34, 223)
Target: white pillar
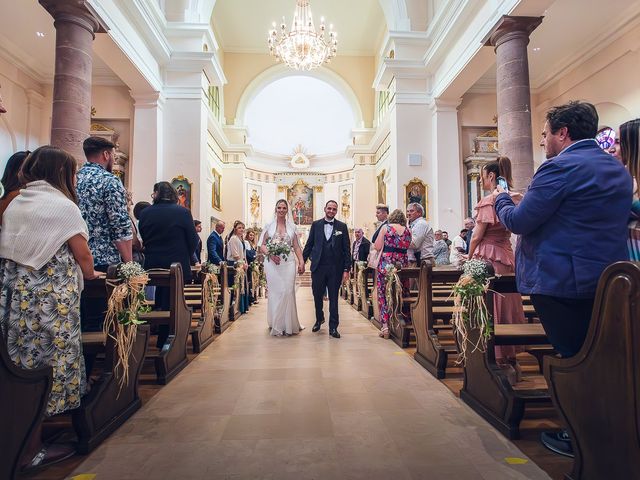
(446, 167)
(146, 153)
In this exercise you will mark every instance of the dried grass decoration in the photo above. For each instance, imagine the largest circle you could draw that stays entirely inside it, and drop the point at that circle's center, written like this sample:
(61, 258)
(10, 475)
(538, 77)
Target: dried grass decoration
(362, 266)
(393, 294)
(255, 276)
(210, 287)
(470, 310)
(126, 303)
(239, 277)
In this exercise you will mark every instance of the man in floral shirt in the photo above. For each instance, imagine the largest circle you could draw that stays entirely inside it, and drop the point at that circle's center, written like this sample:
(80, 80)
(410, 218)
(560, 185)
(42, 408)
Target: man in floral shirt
(103, 203)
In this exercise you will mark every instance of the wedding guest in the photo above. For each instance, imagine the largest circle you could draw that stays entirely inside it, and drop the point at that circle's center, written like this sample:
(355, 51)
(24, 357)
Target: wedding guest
(196, 258)
(236, 252)
(137, 249)
(627, 150)
(393, 242)
(458, 248)
(169, 236)
(251, 254)
(491, 242)
(45, 255)
(469, 225)
(445, 237)
(10, 180)
(361, 247)
(215, 244)
(421, 248)
(382, 213)
(440, 249)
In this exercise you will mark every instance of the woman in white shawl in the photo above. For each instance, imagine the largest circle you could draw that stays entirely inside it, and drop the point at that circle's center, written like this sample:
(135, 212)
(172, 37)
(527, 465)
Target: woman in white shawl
(282, 313)
(43, 256)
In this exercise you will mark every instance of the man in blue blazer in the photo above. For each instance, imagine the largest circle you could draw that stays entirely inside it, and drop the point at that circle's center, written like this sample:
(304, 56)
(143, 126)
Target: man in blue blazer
(328, 247)
(215, 244)
(572, 223)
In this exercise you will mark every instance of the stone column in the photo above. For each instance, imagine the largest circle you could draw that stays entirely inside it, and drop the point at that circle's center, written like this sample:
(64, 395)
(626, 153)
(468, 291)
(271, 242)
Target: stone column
(510, 38)
(75, 26)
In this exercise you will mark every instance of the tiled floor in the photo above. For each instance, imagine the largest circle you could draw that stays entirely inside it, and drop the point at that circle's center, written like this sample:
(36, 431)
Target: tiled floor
(252, 406)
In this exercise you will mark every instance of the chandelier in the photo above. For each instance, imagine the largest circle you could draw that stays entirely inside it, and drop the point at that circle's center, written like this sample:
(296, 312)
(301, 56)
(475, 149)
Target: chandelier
(303, 48)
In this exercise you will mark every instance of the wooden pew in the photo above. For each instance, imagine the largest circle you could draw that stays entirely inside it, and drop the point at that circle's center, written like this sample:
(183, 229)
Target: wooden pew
(365, 291)
(202, 326)
(172, 357)
(24, 395)
(223, 320)
(597, 391)
(106, 406)
(431, 353)
(402, 331)
(486, 388)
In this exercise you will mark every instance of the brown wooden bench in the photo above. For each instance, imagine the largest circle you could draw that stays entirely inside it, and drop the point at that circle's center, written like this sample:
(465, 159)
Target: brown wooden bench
(107, 406)
(223, 320)
(365, 285)
(486, 388)
(431, 352)
(172, 357)
(597, 391)
(202, 325)
(24, 395)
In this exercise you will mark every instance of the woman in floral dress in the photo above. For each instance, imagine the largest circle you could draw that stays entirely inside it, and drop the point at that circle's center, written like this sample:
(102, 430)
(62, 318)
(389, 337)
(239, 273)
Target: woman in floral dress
(44, 255)
(393, 241)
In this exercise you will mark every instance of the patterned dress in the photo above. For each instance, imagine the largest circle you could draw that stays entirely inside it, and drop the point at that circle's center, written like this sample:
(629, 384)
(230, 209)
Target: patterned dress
(40, 318)
(395, 241)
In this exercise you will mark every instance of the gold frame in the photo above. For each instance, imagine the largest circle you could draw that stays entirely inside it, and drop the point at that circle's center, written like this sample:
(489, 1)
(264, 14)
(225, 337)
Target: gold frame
(217, 183)
(182, 178)
(416, 180)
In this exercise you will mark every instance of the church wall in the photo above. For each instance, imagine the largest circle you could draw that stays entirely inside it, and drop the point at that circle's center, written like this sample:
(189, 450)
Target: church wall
(241, 68)
(478, 110)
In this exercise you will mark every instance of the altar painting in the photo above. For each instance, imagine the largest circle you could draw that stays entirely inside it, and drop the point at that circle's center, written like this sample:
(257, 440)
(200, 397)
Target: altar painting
(300, 197)
(416, 192)
(183, 187)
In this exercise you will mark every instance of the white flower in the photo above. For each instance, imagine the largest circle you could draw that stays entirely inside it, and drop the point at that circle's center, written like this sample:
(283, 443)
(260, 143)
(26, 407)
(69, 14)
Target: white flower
(338, 232)
(130, 269)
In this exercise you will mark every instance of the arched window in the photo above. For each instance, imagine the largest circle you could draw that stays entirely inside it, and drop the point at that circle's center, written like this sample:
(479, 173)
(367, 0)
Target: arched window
(299, 110)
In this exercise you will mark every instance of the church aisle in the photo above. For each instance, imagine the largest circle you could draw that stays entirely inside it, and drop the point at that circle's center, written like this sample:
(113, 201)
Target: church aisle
(252, 406)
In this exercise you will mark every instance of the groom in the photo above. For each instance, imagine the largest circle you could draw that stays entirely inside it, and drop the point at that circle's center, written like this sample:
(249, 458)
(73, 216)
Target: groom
(328, 247)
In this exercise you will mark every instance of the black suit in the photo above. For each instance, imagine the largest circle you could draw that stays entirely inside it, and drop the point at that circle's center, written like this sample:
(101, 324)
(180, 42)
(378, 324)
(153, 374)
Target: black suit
(377, 232)
(363, 250)
(329, 260)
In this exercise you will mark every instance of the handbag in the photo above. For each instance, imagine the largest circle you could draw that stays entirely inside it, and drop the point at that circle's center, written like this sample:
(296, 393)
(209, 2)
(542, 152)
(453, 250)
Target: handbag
(374, 258)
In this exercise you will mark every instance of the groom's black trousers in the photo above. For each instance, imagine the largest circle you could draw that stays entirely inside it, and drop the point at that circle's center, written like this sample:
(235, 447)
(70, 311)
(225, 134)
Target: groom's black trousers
(326, 277)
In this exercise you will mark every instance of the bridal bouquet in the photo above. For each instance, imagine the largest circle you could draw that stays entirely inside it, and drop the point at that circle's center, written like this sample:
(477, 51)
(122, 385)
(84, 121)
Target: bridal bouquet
(278, 248)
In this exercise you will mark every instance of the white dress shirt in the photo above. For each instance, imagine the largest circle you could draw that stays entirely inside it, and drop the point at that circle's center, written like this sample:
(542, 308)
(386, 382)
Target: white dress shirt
(422, 240)
(328, 229)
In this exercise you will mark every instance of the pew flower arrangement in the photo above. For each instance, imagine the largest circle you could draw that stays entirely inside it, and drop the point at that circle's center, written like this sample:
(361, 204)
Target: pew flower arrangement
(208, 267)
(393, 293)
(470, 310)
(125, 305)
(278, 248)
(240, 275)
(362, 266)
(211, 286)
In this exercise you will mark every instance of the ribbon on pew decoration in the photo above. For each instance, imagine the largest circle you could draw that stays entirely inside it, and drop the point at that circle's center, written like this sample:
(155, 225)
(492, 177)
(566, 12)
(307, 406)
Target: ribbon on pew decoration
(126, 303)
(470, 310)
(393, 294)
(255, 278)
(360, 282)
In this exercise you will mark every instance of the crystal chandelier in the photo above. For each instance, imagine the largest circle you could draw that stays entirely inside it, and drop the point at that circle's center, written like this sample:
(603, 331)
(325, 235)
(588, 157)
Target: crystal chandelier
(303, 48)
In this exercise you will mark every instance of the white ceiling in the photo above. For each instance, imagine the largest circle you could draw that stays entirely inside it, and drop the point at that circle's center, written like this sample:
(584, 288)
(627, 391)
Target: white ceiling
(242, 25)
(571, 32)
(21, 45)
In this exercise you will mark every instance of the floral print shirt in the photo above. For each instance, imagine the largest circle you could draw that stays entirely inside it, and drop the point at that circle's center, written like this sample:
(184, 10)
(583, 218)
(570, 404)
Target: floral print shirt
(103, 203)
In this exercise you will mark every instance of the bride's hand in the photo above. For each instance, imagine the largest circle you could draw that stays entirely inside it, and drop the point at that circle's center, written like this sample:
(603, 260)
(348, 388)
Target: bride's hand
(275, 259)
(301, 269)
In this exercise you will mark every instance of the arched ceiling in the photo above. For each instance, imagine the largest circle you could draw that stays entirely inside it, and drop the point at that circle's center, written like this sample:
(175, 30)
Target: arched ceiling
(242, 26)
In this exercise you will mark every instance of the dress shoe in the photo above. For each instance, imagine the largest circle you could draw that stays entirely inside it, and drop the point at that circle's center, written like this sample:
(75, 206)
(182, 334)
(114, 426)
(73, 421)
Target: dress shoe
(558, 442)
(316, 326)
(334, 334)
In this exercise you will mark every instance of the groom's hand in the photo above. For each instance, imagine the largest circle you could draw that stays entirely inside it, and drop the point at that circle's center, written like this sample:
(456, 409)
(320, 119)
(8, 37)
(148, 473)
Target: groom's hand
(345, 277)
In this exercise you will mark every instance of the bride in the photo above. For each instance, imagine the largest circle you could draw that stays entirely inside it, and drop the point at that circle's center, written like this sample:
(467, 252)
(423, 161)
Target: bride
(281, 273)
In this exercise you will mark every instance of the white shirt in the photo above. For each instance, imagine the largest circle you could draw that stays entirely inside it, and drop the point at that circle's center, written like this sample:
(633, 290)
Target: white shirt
(455, 256)
(328, 229)
(422, 240)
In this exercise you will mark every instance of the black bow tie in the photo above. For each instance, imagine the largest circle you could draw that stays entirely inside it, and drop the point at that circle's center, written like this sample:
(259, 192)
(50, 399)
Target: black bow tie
(327, 222)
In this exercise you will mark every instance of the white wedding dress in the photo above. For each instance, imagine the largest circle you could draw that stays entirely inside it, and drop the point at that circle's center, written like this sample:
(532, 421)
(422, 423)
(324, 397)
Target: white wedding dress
(282, 313)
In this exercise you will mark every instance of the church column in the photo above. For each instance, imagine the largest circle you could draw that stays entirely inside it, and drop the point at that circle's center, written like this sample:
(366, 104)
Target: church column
(75, 30)
(446, 166)
(146, 152)
(510, 38)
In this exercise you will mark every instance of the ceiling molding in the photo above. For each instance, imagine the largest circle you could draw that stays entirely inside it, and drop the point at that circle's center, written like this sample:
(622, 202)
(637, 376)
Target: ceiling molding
(16, 56)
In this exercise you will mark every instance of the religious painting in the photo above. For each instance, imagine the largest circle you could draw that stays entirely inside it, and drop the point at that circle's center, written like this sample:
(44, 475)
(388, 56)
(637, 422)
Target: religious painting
(300, 197)
(346, 194)
(215, 190)
(254, 204)
(382, 188)
(416, 192)
(183, 187)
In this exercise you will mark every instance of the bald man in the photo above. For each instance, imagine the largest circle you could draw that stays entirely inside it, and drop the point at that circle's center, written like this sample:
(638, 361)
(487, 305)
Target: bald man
(215, 244)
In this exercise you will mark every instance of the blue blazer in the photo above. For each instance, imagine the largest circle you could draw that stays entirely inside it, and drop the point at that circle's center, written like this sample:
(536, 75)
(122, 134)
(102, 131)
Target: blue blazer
(572, 222)
(215, 248)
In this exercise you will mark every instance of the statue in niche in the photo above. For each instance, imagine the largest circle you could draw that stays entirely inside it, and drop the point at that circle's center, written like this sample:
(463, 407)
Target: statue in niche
(254, 205)
(345, 204)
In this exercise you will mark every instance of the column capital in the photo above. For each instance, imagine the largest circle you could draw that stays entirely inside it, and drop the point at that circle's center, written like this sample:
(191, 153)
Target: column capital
(510, 27)
(148, 99)
(445, 104)
(75, 11)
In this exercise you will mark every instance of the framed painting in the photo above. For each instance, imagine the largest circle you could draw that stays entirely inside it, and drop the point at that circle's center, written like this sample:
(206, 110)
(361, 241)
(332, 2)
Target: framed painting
(382, 188)
(183, 187)
(300, 197)
(215, 190)
(416, 192)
